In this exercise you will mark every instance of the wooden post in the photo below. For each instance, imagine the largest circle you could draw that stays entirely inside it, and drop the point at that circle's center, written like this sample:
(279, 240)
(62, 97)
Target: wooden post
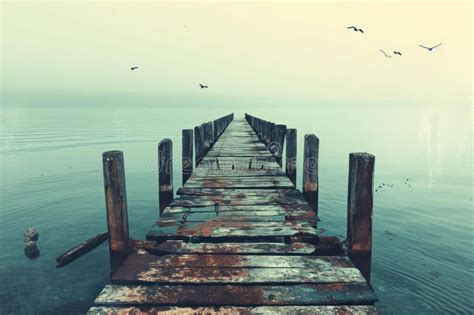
(359, 210)
(116, 204)
(279, 141)
(215, 130)
(291, 155)
(207, 135)
(165, 173)
(310, 171)
(198, 144)
(187, 157)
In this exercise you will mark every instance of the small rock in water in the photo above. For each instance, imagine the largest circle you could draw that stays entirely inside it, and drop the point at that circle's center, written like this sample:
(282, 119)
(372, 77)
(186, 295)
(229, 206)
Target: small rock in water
(31, 250)
(31, 236)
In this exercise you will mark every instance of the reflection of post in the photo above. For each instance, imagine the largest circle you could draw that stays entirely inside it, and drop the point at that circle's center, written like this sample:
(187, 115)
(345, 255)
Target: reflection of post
(310, 171)
(165, 173)
(116, 204)
(291, 155)
(359, 211)
(187, 158)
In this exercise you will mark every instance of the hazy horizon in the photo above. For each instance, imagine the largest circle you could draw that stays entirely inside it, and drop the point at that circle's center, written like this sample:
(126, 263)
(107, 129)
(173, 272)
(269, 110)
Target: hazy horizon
(289, 50)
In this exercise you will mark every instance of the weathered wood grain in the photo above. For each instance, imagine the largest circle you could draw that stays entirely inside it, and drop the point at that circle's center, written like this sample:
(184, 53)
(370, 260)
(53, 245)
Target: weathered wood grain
(232, 310)
(187, 154)
(116, 204)
(165, 173)
(83, 248)
(180, 247)
(237, 295)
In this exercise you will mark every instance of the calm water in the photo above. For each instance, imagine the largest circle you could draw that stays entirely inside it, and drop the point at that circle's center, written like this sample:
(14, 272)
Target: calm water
(51, 179)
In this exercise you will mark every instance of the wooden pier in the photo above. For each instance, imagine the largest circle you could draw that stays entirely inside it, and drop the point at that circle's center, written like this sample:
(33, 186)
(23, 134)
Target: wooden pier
(239, 237)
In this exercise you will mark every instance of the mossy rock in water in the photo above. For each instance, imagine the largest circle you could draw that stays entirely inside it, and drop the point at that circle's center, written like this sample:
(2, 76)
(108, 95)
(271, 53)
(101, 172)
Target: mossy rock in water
(31, 234)
(31, 250)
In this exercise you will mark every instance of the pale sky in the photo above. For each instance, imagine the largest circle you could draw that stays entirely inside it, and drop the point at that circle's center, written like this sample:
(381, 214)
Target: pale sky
(251, 49)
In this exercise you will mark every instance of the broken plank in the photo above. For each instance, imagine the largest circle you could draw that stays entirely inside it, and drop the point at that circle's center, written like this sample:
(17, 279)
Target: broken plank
(80, 249)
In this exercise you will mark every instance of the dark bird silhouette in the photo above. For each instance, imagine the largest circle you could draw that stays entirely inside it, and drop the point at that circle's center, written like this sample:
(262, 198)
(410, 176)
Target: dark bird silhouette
(216, 208)
(386, 55)
(133, 68)
(203, 86)
(397, 53)
(355, 29)
(430, 48)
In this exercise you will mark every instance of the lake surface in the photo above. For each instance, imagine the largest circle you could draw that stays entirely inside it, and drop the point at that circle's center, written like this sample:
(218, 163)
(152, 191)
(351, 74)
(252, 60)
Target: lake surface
(51, 179)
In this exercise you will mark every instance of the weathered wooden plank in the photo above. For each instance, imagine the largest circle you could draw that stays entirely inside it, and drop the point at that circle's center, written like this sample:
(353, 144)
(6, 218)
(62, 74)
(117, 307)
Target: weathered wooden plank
(217, 275)
(215, 231)
(262, 182)
(317, 263)
(221, 295)
(180, 247)
(77, 251)
(231, 310)
(241, 216)
(233, 200)
(237, 192)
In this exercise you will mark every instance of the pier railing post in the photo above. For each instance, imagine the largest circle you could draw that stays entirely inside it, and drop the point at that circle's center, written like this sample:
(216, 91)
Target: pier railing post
(116, 204)
(359, 210)
(279, 141)
(291, 150)
(198, 144)
(187, 156)
(165, 173)
(310, 171)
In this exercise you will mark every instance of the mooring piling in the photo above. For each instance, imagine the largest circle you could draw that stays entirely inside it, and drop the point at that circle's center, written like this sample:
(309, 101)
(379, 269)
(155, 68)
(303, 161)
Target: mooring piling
(116, 205)
(291, 149)
(359, 210)
(198, 144)
(187, 154)
(310, 171)
(165, 173)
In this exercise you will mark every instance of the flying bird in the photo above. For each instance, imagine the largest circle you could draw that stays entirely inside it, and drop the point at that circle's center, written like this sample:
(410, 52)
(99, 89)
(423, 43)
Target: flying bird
(397, 53)
(133, 68)
(355, 29)
(386, 55)
(203, 86)
(430, 48)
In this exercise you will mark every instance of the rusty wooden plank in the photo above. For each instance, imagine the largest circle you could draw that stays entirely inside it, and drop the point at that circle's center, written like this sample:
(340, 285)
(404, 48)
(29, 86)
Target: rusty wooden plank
(238, 192)
(242, 216)
(80, 249)
(217, 275)
(239, 200)
(232, 310)
(180, 247)
(315, 263)
(262, 182)
(237, 295)
(251, 209)
(235, 231)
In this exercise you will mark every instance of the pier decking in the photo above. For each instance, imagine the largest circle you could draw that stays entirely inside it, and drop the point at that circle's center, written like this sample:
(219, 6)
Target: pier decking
(238, 238)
